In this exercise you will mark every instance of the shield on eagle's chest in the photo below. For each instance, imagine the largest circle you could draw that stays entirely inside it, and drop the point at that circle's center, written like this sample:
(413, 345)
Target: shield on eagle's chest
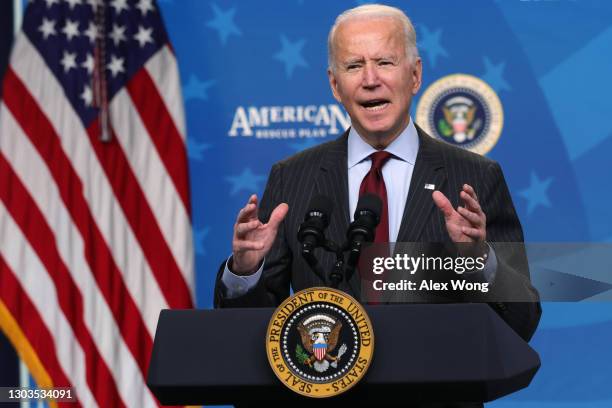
(320, 349)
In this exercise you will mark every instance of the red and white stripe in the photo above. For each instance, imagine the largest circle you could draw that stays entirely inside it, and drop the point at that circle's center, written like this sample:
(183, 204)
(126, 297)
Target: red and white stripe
(320, 350)
(95, 238)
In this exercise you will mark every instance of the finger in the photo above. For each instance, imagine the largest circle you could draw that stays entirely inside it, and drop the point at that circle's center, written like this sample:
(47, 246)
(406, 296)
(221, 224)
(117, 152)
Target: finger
(475, 233)
(244, 228)
(470, 190)
(278, 215)
(473, 218)
(247, 213)
(470, 202)
(253, 200)
(443, 203)
(241, 246)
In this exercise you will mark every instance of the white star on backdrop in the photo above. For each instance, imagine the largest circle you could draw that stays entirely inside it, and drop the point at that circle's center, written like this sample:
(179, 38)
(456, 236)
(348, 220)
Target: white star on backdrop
(145, 6)
(47, 28)
(88, 64)
(92, 32)
(118, 34)
(71, 29)
(537, 193)
(87, 95)
(291, 55)
(119, 5)
(115, 66)
(68, 60)
(430, 43)
(223, 23)
(144, 36)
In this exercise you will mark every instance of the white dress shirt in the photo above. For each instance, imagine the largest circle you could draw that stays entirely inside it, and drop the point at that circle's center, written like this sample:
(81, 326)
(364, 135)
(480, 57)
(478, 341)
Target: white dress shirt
(397, 172)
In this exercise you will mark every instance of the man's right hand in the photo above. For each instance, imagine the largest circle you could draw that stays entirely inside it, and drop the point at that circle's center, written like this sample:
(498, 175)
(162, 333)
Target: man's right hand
(252, 239)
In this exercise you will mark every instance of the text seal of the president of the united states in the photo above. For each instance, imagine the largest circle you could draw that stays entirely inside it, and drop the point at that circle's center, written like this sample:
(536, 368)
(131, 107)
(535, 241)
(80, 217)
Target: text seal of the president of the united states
(320, 342)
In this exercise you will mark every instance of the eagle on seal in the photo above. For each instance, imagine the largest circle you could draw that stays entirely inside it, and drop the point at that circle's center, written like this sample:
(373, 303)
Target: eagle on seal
(319, 334)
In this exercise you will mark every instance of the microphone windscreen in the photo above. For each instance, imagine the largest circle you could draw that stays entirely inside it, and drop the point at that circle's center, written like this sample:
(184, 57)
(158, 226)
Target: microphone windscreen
(369, 202)
(321, 204)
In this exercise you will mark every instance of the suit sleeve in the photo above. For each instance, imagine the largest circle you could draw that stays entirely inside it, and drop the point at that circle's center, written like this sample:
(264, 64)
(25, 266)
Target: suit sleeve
(519, 305)
(273, 286)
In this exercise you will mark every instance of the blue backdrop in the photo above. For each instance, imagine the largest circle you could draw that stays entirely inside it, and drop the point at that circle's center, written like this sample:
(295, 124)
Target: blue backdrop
(256, 91)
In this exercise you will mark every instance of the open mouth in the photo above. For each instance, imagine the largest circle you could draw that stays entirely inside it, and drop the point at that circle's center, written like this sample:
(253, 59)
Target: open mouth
(375, 105)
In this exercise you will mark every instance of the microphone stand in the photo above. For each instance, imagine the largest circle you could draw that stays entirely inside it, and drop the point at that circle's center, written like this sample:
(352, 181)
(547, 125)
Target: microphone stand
(311, 260)
(353, 257)
(336, 275)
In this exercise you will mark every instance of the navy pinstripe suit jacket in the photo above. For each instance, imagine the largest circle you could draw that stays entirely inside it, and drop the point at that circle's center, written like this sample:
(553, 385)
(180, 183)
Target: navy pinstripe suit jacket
(323, 170)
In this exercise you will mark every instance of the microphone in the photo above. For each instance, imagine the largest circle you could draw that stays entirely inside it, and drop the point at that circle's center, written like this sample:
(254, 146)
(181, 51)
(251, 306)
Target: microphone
(316, 220)
(363, 228)
(311, 232)
(367, 217)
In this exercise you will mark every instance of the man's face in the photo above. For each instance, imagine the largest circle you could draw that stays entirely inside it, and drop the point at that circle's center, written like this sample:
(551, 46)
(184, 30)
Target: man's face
(373, 78)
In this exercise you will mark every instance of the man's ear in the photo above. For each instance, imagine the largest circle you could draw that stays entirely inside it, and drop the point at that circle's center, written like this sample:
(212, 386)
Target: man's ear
(417, 75)
(333, 84)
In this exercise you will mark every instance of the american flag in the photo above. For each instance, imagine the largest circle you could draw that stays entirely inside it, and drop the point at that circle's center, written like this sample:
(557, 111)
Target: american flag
(95, 228)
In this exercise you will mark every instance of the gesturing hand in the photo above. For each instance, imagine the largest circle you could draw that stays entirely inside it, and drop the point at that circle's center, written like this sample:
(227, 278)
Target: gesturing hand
(467, 223)
(253, 239)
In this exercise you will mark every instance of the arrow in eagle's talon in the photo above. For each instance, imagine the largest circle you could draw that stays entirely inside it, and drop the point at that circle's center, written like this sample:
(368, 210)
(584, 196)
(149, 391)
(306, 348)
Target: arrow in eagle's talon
(340, 353)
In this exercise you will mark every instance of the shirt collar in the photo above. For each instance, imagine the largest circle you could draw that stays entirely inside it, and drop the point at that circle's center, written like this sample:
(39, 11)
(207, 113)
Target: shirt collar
(404, 147)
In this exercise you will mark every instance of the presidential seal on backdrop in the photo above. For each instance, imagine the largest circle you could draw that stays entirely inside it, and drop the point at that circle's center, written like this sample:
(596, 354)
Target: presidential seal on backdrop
(462, 110)
(320, 342)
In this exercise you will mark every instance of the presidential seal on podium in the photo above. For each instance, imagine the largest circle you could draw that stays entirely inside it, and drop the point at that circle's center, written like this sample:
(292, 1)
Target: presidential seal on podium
(320, 342)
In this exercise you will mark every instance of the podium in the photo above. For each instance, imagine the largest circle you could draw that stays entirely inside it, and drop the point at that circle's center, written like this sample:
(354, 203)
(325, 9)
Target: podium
(423, 353)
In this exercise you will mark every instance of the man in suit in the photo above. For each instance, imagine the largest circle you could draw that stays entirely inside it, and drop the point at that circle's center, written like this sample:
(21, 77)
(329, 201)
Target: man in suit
(374, 71)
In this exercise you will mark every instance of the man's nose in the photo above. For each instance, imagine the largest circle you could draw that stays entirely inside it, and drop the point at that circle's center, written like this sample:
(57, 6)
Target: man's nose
(370, 76)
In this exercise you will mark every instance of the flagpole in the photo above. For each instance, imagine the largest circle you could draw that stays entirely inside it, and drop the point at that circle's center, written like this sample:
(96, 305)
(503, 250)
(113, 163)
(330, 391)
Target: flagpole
(17, 16)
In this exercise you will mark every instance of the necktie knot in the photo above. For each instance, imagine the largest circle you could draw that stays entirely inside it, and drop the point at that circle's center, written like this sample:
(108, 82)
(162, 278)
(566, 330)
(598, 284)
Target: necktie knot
(379, 159)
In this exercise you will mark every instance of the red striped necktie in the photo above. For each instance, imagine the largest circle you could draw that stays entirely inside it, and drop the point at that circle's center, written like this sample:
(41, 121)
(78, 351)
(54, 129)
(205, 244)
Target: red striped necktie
(374, 183)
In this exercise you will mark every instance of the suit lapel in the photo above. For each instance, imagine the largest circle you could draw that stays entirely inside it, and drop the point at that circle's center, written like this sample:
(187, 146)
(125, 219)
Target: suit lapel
(428, 169)
(332, 181)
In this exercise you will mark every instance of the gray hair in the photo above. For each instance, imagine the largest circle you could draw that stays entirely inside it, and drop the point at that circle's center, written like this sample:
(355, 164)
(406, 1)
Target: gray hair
(374, 11)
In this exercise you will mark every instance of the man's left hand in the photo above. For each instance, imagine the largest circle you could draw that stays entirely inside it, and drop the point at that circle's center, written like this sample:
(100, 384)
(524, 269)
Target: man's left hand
(467, 223)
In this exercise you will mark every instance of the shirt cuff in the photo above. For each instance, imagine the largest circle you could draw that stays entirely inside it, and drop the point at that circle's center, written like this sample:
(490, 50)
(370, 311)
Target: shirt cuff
(238, 285)
(486, 274)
